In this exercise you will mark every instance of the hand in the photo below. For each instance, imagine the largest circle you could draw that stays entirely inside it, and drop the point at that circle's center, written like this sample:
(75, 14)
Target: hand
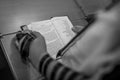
(77, 28)
(36, 50)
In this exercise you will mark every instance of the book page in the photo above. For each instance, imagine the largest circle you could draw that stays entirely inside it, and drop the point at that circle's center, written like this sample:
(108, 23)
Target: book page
(63, 27)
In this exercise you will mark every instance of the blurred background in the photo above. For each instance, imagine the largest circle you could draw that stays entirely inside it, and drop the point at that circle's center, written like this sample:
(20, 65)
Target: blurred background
(14, 13)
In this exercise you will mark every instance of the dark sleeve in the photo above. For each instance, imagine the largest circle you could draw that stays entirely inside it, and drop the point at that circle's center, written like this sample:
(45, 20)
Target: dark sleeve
(53, 70)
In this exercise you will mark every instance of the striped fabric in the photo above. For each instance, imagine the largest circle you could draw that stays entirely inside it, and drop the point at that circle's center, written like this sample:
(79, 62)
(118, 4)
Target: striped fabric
(53, 70)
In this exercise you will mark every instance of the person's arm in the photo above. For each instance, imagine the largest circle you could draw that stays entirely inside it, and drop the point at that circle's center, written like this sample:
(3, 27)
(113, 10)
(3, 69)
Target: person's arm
(44, 63)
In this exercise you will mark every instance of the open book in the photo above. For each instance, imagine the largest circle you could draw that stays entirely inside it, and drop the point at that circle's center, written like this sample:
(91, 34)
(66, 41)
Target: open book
(57, 32)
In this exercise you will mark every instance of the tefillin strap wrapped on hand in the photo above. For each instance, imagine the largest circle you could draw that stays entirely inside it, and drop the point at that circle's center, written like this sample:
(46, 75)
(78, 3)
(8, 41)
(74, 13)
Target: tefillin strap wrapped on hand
(24, 40)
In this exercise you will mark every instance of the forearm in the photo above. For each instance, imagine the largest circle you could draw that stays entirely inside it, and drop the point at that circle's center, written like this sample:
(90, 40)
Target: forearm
(54, 70)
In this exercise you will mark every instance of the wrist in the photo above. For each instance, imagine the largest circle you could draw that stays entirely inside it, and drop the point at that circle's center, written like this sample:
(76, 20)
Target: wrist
(35, 59)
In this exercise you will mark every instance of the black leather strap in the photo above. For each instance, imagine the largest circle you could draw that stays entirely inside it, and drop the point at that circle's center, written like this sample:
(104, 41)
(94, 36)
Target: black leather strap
(25, 44)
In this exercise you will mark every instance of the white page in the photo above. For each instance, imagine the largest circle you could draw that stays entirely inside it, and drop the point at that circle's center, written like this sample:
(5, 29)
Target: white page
(63, 27)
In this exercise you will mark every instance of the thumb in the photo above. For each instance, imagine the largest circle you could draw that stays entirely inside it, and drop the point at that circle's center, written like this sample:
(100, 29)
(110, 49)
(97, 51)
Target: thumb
(77, 28)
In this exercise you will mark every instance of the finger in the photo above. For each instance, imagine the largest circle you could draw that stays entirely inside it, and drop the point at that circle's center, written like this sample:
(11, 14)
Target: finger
(76, 29)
